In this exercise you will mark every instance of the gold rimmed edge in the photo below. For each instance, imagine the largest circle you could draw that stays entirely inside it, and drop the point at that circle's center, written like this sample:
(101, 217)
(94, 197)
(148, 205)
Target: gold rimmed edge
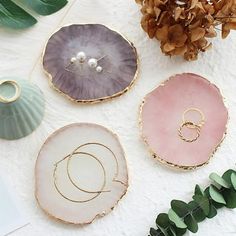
(154, 154)
(100, 215)
(97, 100)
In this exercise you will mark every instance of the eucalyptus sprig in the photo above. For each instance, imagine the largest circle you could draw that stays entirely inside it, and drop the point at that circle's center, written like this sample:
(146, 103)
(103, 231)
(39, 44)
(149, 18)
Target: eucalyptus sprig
(13, 14)
(186, 216)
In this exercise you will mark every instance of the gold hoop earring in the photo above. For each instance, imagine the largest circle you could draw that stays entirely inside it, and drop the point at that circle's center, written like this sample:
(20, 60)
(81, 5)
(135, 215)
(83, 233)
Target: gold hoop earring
(68, 159)
(190, 125)
(73, 182)
(196, 110)
(97, 193)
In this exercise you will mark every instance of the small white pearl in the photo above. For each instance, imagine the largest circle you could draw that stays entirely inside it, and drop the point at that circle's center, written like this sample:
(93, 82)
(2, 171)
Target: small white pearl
(93, 62)
(73, 59)
(81, 56)
(99, 69)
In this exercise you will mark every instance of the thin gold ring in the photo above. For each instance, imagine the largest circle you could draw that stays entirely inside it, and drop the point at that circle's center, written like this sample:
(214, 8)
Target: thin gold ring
(17, 91)
(201, 122)
(191, 125)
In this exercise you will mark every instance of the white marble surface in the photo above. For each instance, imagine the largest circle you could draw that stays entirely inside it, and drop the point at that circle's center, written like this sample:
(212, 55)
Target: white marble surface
(152, 186)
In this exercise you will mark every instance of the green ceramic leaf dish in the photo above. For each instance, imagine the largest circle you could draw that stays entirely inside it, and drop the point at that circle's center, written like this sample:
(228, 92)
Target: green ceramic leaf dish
(21, 108)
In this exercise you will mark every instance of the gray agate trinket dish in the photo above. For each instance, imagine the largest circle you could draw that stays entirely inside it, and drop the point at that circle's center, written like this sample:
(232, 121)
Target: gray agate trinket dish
(90, 63)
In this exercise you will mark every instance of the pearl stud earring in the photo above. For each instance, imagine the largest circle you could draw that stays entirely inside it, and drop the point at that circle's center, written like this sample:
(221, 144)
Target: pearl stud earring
(99, 69)
(73, 59)
(81, 56)
(93, 63)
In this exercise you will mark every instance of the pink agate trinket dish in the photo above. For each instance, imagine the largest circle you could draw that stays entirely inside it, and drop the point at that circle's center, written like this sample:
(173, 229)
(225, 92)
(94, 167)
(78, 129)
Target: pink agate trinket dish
(184, 121)
(90, 63)
(81, 173)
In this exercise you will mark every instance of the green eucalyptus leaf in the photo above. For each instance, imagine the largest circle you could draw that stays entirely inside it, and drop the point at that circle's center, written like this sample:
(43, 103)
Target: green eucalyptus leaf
(203, 203)
(163, 223)
(216, 195)
(182, 217)
(198, 191)
(176, 220)
(180, 232)
(219, 180)
(197, 211)
(227, 175)
(212, 212)
(180, 208)
(215, 204)
(172, 231)
(154, 232)
(46, 7)
(233, 180)
(11, 15)
(191, 223)
(230, 198)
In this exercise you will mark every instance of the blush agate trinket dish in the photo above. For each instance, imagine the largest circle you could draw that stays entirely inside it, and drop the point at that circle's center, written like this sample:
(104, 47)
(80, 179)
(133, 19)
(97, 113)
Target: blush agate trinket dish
(81, 173)
(21, 108)
(90, 63)
(184, 121)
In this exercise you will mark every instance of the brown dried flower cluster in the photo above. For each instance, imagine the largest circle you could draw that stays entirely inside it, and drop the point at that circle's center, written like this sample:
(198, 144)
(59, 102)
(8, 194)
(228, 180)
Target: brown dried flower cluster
(184, 26)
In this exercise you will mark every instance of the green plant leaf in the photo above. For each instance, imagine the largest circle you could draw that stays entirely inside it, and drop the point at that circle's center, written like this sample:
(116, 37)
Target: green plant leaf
(230, 198)
(179, 232)
(176, 220)
(14, 16)
(198, 191)
(197, 211)
(46, 7)
(172, 231)
(215, 204)
(227, 175)
(154, 232)
(219, 180)
(233, 180)
(163, 223)
(203, 203)
(182, 217)
(216, 195)
(180, 208)
(212, 212)
(191, 223)
(11, 15)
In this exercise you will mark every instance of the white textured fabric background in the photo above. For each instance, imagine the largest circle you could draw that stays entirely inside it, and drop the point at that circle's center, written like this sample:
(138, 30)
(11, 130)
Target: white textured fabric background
(152, 186)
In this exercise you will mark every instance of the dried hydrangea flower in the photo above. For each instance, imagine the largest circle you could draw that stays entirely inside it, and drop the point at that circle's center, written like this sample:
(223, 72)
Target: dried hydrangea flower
(184, 27)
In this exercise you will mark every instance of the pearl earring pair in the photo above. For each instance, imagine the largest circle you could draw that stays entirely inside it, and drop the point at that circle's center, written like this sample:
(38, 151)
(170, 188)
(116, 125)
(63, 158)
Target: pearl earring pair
(92, 62)
(81, 57)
